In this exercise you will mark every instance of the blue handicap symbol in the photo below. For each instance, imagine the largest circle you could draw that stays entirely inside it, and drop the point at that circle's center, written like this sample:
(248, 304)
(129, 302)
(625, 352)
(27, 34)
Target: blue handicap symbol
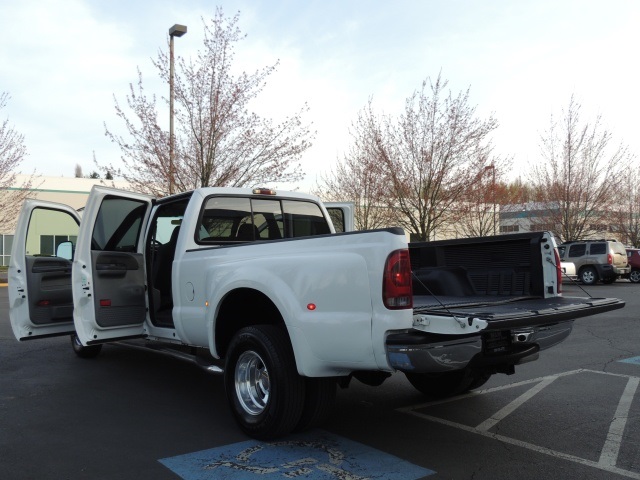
(316, 455)
(634, 360)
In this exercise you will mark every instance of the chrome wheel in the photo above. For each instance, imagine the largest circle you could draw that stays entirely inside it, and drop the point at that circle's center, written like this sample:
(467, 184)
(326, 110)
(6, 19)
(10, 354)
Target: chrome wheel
(252, 383)
(264, 390)
(634, 276)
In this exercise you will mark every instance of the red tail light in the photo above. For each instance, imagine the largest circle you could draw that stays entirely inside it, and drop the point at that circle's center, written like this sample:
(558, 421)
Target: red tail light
(609, 259)
(397, 292)
(558, 270)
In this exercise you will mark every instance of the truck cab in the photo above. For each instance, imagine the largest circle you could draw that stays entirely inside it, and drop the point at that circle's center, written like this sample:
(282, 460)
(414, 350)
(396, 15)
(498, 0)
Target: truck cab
(110, 277)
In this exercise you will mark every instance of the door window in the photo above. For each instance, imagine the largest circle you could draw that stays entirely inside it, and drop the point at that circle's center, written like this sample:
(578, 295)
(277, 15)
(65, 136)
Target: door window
(47, 229)
(577, 250)
(598, 248)
(118, 225)
(337, 218)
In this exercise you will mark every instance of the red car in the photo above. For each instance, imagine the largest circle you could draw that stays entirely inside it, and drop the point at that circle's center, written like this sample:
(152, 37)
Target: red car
(633, 256)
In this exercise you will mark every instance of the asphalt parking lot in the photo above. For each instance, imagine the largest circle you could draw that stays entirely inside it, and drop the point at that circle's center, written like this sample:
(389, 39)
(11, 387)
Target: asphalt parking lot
(574, 413)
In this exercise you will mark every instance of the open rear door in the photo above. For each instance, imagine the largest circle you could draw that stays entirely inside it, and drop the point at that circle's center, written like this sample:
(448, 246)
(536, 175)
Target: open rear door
(40, 299)
(108, 269)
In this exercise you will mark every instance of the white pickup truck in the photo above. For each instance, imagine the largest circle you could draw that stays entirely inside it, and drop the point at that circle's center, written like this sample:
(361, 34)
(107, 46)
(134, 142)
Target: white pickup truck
(260, 287)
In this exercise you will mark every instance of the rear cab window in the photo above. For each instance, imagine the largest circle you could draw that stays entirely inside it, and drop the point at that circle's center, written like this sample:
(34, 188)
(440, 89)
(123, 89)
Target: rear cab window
(229, 219)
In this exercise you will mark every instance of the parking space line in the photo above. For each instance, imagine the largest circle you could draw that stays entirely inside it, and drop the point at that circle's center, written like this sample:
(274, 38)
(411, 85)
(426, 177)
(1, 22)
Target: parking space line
(511, 407)
(609, 454)
(529, 446)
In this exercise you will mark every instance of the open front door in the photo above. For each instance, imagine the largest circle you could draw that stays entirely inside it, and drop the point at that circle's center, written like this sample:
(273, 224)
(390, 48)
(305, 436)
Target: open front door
(40, 299)
(108, 269)
(342, 215)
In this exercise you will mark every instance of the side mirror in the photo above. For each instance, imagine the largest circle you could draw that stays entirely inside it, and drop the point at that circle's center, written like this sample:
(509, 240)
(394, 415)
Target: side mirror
(65, 250)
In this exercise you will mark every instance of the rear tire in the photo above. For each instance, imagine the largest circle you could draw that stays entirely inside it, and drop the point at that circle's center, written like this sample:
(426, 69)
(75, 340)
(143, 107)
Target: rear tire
(263, 388)
(634, 276)
(319, 400)
(90, 351)
(588, 276)
(447, 384)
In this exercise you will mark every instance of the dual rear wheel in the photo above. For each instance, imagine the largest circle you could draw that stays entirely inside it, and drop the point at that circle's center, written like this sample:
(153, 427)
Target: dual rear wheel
(267, 396)
(448, 384)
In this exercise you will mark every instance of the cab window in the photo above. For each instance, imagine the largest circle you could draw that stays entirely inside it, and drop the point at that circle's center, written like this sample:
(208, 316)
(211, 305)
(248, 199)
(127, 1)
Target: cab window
(304, 219)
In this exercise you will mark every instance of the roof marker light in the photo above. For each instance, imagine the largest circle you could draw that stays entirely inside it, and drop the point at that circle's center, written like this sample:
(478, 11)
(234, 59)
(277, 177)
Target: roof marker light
(263, 191)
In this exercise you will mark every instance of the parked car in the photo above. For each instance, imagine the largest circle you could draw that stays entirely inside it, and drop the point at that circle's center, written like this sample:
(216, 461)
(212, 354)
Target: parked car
(633, 257)
(568, 271)
(596, 260)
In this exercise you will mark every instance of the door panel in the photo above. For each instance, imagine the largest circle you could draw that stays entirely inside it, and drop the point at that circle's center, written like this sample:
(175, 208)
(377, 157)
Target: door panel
(109, 271)
(49, 281)
(119, 289)
(40, 293)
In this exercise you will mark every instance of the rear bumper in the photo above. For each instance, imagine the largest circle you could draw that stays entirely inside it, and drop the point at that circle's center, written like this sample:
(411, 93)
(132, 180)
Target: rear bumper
(611, 271)
(420, 352)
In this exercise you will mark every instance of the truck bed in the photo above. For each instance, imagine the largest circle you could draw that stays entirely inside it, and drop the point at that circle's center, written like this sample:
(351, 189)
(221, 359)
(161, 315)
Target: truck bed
(498, 279)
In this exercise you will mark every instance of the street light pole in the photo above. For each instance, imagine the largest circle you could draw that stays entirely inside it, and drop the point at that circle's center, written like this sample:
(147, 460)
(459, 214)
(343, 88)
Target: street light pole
(175, 31)
(492, 167)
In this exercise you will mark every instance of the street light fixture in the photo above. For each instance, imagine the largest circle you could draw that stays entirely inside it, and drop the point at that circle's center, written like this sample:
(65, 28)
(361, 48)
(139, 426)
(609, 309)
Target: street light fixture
(175, 31)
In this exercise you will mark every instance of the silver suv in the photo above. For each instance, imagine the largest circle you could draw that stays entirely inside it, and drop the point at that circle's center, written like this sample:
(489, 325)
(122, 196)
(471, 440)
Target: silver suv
(596, 260)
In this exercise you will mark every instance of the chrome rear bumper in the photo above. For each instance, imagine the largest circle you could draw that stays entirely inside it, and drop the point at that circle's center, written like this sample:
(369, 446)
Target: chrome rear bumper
(419, 352)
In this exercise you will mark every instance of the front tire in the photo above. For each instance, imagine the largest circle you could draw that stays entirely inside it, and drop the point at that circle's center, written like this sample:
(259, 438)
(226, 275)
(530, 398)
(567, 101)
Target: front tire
(588, 276)
(634, 276)
(90, 351)
(263, 388)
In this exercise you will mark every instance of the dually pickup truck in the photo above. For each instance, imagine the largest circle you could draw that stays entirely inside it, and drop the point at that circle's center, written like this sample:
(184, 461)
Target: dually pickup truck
(258, 286)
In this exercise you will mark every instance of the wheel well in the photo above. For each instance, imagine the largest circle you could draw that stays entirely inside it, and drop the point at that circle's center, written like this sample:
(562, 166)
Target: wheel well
(241, 308)
(588, 267)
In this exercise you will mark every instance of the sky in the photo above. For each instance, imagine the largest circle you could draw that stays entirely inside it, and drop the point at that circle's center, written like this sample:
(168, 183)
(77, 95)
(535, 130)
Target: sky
(63, 62)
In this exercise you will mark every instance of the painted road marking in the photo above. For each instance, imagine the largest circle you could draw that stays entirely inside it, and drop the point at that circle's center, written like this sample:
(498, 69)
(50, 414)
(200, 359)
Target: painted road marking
(609, 454)
(317, 455)
(510, 408)
(610, 450)
(634, 360)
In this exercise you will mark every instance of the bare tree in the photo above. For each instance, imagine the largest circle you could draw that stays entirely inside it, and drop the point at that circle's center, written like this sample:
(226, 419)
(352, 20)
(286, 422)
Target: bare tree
(487, 201)
(430, 155)
(218, 140)
(12, 153)
(625, 219)
(356, 179)
(576, 178)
